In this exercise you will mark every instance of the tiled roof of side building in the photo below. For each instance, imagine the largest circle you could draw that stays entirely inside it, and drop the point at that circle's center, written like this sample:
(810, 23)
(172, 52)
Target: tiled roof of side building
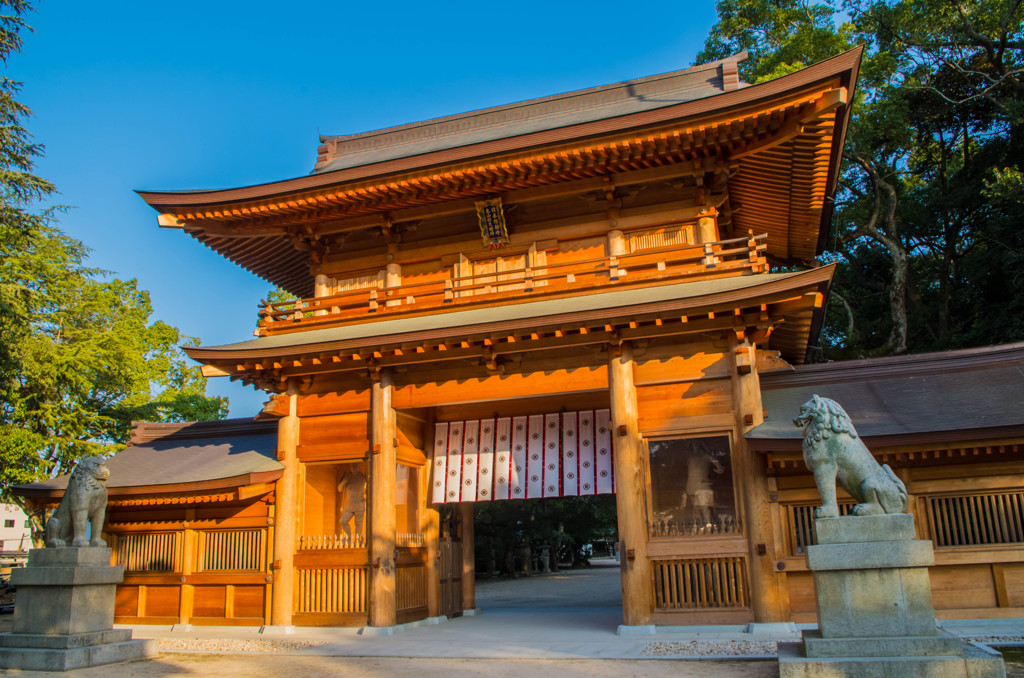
(534, 115)
(230, 453)
(971, 394)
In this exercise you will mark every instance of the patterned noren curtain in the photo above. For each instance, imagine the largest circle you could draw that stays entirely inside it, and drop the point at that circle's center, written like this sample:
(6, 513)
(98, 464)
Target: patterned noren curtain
(543, 455)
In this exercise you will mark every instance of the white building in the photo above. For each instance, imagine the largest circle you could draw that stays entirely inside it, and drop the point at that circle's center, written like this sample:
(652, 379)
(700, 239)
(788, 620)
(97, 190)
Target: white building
(15, 535)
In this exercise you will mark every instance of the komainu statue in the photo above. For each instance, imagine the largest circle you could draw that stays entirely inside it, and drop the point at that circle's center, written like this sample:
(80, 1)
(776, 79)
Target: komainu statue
(834, 453)
(85, 501)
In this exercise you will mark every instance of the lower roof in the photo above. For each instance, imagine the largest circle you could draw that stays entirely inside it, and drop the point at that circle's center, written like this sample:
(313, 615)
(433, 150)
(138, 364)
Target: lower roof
(971, 394)
(188, 457)
(679, 297)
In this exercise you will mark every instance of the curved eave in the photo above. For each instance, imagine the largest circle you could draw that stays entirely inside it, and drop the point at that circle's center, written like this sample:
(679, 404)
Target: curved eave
(33, 491)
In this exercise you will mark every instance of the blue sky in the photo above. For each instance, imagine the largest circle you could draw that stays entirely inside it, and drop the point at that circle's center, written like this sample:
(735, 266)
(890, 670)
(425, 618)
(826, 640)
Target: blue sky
(191, 95)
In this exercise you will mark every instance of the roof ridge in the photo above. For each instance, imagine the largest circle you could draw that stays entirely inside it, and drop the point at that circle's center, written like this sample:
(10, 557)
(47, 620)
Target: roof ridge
(149, 431)
(711, 65)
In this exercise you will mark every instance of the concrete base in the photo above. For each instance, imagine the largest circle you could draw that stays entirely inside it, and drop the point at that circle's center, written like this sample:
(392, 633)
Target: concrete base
(39, 652)
(63, 617)
(772, 629)
(380, 630)
(276, 630)
(644, 630)
(875, 614)
(974, 661)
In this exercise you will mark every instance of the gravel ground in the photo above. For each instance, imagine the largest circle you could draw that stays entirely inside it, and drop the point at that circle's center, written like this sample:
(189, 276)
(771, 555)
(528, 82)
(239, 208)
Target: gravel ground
(711, 648)
(233, 645)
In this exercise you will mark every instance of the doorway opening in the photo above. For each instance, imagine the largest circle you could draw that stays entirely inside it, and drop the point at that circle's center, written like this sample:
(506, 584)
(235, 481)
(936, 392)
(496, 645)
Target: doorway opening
(558, 552)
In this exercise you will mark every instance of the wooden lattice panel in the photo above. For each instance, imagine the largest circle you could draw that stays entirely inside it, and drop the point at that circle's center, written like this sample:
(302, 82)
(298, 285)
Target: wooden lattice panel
(977, 519)
(700, 583)
(232, 550)
(154, 552)
(331, 590)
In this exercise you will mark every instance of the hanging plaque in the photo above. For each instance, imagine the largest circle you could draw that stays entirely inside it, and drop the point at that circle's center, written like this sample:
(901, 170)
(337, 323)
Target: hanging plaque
(492, 223)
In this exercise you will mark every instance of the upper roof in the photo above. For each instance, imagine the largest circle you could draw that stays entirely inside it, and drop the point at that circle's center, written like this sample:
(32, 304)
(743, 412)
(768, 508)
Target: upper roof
(971, 394)
(185, 457)
(533, 115)
(778, 143)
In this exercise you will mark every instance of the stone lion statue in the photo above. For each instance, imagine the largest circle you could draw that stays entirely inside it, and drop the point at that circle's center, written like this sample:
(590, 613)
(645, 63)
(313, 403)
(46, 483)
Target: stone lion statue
(834, 453)
(85, 501)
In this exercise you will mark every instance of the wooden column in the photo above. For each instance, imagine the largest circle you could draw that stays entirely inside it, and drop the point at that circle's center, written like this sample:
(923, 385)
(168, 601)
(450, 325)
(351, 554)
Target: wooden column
(383, 469)
(286, 513)
(188, 555)
(637, 582)
(769, 591)
(430, 524)
(468, 557)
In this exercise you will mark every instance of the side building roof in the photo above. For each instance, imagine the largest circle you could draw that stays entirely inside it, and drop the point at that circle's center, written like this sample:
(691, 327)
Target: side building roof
(942, 398)
(188, 457)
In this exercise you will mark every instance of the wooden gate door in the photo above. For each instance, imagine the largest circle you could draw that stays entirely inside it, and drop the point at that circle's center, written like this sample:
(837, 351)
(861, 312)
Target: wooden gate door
(450, 571)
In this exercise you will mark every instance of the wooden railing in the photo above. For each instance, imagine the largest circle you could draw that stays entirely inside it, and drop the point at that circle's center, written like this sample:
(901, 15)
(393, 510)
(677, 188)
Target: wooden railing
(977, 519)
(735, 256)
(700, 583)
(331, 541)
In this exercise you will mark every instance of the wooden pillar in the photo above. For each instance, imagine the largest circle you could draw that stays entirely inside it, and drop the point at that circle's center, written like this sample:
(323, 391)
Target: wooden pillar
(286, 511)
(468, 557)
(188, 556)
(430, 525)
(769, 591)
(383, 469)
(637, 582)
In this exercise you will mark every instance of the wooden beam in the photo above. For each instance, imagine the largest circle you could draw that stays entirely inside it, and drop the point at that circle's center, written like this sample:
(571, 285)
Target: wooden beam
(212, 371)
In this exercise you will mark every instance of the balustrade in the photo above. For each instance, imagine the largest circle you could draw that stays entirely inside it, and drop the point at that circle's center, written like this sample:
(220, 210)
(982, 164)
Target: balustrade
(725, 257)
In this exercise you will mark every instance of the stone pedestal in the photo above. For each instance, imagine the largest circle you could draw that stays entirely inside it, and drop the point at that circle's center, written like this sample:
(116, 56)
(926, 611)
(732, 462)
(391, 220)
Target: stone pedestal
(875, 614)
(64, 613)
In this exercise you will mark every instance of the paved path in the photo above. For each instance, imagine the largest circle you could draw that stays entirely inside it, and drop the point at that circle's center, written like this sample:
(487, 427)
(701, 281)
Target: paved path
(525, 627)
(596, 586)
(294, 666)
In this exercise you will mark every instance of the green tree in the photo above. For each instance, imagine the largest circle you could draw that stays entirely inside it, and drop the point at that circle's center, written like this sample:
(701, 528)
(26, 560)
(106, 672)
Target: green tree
(929, 190)
(80, 357)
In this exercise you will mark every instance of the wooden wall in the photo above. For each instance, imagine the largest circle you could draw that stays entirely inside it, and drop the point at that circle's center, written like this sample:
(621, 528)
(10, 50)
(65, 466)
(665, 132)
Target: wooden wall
(978, 505)
(201, 564)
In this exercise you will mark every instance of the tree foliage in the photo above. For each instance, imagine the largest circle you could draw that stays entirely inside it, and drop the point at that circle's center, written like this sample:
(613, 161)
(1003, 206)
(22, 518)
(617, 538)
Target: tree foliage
(931, 187)
(80, 358)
